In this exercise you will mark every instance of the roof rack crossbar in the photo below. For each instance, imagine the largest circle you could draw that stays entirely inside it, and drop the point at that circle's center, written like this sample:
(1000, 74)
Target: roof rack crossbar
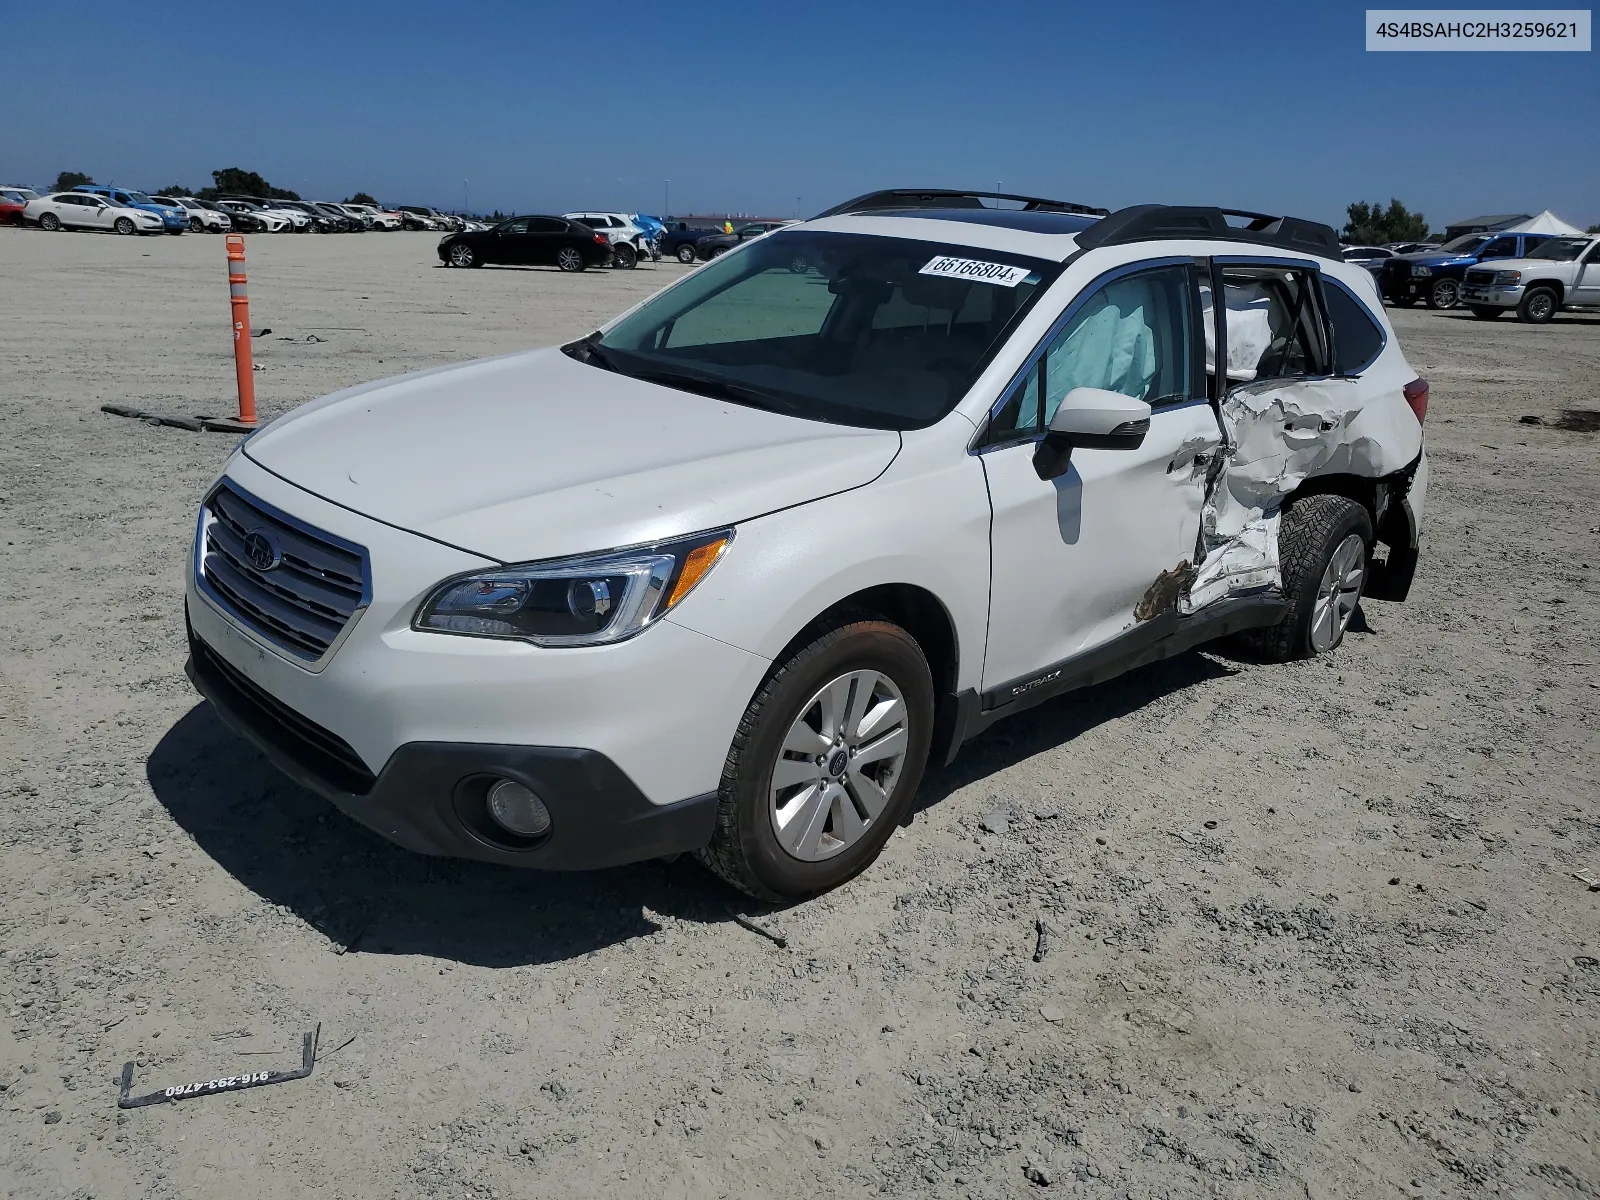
(1149, 222)
(952, 198)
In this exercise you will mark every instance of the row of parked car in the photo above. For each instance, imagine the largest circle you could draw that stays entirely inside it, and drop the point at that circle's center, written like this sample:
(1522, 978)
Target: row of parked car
(1535, 275)
(127, 210)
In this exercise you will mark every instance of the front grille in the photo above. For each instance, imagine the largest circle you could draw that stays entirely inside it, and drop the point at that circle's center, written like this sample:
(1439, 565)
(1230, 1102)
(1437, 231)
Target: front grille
(1480, 276)
(303, 596)
(316, 750)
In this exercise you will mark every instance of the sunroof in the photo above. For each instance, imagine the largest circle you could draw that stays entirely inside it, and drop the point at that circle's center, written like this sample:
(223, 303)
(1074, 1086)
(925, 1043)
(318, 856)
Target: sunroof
(1031, 220)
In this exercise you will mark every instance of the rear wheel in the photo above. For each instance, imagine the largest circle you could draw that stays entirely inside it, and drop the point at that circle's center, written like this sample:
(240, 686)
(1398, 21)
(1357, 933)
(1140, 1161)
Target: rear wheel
(49, 221)
(462, 256)
(686, 253)
(825, 761)
(1538, 306)
(124, 225)
(1323, 547)
(569, 259)
(625, 256)
(1445, 293)
(1486, 312)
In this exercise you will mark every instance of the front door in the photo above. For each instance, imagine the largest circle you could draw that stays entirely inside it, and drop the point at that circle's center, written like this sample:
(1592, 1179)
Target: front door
(509, 244)
(1586, 283)
(1083, 558)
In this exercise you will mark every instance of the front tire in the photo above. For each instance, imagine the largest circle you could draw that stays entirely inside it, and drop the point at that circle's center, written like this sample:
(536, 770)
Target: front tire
(1445, 293)
(1538, 307)
(1324, 545)
(1486, 312)
(462, 256)
(124, 225)
(570, 260)
(825, 761)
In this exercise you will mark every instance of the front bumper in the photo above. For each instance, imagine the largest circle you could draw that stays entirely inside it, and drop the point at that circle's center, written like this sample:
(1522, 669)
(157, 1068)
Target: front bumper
(1493, 295)
(429, 797)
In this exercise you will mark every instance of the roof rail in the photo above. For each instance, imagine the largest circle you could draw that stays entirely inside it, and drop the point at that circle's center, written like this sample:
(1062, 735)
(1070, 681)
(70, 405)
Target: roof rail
(945, 198)
(1148, 222)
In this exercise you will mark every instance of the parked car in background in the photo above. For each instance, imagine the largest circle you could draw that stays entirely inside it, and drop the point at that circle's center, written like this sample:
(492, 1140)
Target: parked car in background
(680, 237)
(720, 243)
(343, 222)
(83, 210)
(201, 218)
(414, 216)
(1370, 257)
(12, 201)
(320, 222)
(249, 217)
(174, 218)
(629, 242)
(1436, 275)
(1564, 272)
(1410, 247)
(375, 218)
(529, 241)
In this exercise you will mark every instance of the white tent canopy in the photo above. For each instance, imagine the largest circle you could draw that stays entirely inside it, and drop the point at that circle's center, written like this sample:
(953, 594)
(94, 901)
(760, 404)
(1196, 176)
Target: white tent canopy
(1545, 222)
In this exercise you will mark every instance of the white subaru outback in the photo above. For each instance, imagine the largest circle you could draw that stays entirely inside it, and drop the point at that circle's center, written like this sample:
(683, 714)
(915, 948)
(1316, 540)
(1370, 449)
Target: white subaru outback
(725, 575)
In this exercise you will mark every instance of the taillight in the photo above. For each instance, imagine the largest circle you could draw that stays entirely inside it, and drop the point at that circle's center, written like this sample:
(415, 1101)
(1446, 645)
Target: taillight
(1417, 397)
(602, 239)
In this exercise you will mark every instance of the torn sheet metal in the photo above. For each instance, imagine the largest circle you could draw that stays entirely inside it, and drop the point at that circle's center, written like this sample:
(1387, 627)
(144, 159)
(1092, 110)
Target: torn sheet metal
(1279, 437)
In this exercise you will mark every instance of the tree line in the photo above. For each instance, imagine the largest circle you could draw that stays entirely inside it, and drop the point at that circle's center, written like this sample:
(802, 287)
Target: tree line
(230, 181)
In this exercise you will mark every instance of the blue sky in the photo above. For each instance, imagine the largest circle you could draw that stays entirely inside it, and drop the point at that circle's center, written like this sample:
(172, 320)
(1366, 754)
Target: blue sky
(1276, 107)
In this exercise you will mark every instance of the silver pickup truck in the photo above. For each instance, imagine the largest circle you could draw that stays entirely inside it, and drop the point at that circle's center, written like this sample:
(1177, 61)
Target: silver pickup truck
(1564, 272)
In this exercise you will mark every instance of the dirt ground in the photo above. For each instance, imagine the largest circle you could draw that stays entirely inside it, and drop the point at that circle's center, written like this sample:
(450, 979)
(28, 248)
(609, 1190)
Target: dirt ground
(1315, 930)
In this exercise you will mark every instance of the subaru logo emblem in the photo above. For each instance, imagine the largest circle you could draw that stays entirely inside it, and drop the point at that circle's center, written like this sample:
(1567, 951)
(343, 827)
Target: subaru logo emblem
(262, 550)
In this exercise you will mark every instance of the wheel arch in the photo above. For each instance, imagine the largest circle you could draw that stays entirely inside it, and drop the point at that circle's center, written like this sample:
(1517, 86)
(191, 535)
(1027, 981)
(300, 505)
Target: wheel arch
(1555, 285)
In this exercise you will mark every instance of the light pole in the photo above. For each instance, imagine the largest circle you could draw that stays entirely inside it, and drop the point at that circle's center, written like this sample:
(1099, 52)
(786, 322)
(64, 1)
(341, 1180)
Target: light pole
(464, 206)
(666, 197)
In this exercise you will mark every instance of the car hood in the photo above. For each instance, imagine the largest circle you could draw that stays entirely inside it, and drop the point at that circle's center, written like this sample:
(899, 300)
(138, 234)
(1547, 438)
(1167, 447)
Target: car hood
(1440, 260)
(536, 455)
(1523, 264)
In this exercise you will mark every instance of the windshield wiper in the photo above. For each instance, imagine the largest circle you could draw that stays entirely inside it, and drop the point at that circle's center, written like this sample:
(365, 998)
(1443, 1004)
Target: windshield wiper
(718, 388)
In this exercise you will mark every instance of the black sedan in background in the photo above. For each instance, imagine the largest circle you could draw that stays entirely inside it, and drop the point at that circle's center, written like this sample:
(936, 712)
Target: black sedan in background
(529, 242)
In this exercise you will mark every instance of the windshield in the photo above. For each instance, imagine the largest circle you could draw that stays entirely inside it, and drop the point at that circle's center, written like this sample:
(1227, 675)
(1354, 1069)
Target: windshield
(11, 197)
(1562, 249)
(138, 198)
(1467, 243)
(881, 332)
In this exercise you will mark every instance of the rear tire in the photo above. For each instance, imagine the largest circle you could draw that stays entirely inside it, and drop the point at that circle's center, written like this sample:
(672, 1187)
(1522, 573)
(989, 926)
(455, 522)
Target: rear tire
(859, 693)
(1486, 312)
(685, 254)
(1324, 549)
(570, 260)
(49, 222)
(1538, 307)
(124, 225)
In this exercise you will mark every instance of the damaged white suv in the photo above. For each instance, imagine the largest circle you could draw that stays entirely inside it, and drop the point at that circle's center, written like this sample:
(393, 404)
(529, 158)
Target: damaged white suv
(725, 575)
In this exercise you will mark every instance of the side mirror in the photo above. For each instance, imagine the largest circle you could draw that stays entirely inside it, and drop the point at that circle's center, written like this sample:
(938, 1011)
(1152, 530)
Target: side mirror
(1094, 419)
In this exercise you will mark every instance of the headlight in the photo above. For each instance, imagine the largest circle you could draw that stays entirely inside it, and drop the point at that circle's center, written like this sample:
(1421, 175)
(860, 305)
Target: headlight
(1508, 276)
(586, 601)
(1421, 271)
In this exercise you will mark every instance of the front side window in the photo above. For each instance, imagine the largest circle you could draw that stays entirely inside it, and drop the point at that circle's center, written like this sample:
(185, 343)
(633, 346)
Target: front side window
(1132, 336)
(1274, 326)
(880, 332)
(520, 225)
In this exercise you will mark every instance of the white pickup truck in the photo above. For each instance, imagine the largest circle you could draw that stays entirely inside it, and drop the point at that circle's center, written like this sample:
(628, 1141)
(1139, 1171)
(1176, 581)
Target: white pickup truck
(1563, 272)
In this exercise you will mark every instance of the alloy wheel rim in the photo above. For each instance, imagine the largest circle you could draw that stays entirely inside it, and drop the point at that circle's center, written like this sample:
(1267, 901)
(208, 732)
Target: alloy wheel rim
(569, 257)
(460, 255)
(1338, 593)
(838, 765)
(1446, 293)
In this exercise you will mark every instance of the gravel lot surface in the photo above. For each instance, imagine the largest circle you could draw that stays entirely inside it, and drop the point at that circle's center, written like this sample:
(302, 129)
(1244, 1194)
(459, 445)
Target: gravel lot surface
(1313, 930)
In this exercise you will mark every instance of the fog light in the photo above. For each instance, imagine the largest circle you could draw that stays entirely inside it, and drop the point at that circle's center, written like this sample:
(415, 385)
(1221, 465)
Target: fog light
(517, 810)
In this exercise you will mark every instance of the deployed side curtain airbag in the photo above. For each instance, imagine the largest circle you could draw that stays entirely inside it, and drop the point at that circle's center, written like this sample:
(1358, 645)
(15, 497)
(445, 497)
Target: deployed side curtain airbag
(1113, 348)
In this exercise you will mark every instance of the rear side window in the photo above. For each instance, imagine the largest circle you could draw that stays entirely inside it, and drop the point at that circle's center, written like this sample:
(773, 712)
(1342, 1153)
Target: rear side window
(1274, 329)
(547, 225)
(1357, 338)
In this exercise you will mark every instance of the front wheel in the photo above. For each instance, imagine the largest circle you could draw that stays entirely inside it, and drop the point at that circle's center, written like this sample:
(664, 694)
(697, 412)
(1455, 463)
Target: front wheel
(1445, 293)
(1486, 312)
(625, 256)
(825, 761)
(570, 259)
(686, 254)
(1323, 548)
(717, 252)
(1537, 307)
(124, 225)
(462, 256)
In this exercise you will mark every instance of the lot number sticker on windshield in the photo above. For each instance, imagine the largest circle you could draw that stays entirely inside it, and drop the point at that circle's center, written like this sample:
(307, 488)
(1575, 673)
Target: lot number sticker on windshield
(978, 272)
